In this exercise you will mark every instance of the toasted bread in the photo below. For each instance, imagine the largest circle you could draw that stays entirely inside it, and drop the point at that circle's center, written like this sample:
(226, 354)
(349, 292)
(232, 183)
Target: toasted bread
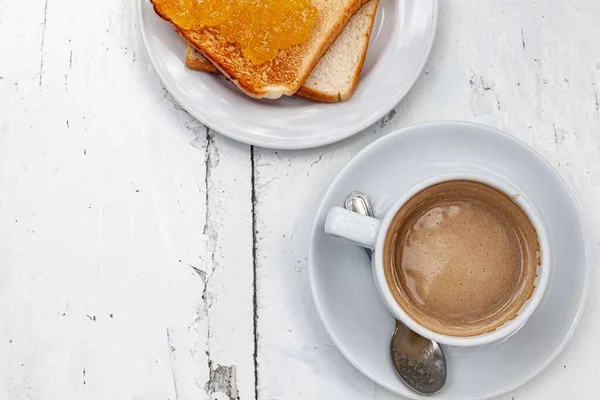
(335, 76)
(196, 61)
(284, 74)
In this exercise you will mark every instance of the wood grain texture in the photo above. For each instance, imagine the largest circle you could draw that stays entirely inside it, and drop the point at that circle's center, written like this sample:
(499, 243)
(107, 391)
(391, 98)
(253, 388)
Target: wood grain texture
(143, 256)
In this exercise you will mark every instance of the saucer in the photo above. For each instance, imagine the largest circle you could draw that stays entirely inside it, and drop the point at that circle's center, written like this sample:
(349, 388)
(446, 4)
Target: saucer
(400, 43)
(341, 278)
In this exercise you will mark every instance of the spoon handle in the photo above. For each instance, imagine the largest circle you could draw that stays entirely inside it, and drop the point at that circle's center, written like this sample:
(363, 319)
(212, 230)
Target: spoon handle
(359, 203)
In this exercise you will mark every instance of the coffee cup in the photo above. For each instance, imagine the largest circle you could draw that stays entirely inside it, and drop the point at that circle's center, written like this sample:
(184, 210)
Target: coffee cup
(460, 259)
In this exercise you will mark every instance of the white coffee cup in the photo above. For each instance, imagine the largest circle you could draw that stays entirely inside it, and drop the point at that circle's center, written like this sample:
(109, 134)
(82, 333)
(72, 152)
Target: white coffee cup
(371, 233)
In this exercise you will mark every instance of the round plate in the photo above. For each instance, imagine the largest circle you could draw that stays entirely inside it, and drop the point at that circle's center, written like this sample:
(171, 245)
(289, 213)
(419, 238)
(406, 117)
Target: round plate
(342, 283)
(400, 43)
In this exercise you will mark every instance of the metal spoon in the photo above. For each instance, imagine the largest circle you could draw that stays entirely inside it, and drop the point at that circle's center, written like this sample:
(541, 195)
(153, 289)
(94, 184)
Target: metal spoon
(418, 361)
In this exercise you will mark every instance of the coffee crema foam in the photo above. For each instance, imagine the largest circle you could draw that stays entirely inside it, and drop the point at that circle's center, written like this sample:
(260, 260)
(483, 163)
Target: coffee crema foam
(461, 258)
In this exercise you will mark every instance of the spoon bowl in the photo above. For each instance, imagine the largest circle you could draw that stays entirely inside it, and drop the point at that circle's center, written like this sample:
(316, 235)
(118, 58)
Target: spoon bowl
(419, 362)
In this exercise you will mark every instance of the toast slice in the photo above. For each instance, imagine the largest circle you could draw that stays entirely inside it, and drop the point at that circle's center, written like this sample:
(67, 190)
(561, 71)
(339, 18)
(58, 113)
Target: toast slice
(196, 61)
(284, 74)
(335, 76)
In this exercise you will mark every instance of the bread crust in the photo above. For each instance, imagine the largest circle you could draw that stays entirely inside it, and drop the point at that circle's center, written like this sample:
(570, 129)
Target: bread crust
(193, 62)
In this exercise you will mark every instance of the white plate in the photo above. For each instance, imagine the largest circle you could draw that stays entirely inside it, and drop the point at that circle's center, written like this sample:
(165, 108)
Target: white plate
(401, 40)
(342, 283)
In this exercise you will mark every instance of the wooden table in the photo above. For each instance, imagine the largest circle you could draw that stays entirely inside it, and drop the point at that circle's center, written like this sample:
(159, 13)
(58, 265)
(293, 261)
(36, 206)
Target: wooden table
(143, 256)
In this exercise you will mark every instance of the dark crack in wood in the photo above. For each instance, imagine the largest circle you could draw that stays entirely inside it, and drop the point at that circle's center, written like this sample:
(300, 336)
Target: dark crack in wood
(254, 268)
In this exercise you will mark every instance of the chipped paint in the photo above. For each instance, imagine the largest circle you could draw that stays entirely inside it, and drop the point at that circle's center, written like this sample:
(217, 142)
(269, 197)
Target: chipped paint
(222, 379)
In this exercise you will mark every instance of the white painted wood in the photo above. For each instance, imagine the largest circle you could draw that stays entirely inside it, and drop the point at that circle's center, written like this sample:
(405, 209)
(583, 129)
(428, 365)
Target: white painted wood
(118, 213)
(529, 68)
(126, 229)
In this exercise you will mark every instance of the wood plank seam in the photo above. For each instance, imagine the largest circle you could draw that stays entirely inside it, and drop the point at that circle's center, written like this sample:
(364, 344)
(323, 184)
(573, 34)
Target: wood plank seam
(254, 267)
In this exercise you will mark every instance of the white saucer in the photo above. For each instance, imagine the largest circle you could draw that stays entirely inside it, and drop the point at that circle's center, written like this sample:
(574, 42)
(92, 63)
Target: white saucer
(342, 283)
(400, 43)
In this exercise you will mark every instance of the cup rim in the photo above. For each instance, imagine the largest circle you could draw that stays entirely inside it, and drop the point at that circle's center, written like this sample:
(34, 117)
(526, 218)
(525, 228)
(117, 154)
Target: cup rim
(526, 310)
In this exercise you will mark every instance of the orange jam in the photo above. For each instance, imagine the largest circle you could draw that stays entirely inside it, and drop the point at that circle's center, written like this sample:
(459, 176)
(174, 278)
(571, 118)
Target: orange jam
(260, 27)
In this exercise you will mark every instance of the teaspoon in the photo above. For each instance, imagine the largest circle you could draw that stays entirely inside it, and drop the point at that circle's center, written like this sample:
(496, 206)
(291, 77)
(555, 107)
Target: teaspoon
(418, 361)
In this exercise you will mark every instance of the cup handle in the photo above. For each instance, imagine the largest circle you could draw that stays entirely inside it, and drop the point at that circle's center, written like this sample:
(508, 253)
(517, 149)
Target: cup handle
(357, 228)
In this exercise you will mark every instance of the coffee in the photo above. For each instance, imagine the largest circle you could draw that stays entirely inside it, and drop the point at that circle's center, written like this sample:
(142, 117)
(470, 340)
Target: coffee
(461, 258)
